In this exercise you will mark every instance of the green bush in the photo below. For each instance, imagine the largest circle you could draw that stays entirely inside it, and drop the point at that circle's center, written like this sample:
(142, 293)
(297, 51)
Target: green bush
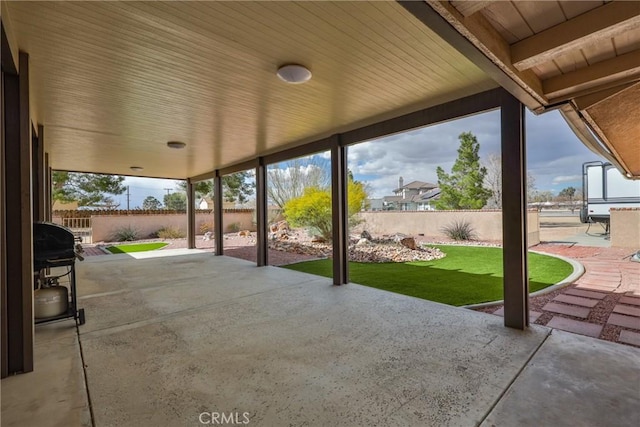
(171, 233)
(459, 230)
(313, 208)
(234, 227)
(125, 234)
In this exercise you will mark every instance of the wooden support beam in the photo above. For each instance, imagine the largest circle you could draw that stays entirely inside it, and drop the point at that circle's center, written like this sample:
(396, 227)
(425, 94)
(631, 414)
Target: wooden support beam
(514, 213)
(339, 214)
(191, 215)
(218, 214)
(606, 21)
(261, 214)
(616, 71)
(475, 38)
(19, 221)
(47, 188)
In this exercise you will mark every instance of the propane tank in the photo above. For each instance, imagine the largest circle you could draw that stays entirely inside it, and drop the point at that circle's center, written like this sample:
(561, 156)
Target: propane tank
(50, 302)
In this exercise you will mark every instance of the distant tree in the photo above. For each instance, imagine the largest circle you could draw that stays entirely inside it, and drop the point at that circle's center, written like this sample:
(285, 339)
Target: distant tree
(463, 188)
(289, 180)
(313, 208)
(567, 195)
(175, 201)
(236, 187)
(86, 188)
(493, 181)
(151, 203)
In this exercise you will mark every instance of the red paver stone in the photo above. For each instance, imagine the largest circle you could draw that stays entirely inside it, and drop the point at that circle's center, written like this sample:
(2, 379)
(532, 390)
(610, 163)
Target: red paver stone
(629, 337)
(575, 326)
(630, 300)
(624, 321)
(569, 310)
(587, 294)
(570, 299)
(628, 310)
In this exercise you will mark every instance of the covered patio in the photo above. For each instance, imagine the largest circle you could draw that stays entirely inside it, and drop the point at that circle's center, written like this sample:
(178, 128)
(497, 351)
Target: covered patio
(171, 338)
(116, 87)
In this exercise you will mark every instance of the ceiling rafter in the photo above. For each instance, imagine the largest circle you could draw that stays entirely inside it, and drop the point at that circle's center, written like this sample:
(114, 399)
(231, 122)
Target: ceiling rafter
(477, 29)
(606, 21)
(468, 8)
(619, 70)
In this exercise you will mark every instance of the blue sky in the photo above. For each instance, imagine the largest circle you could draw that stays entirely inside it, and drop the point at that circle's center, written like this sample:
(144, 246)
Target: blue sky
(554, 155)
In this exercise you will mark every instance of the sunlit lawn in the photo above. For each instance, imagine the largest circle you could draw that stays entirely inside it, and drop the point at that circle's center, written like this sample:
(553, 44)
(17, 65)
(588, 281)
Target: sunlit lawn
(467, 275)
(135, 247)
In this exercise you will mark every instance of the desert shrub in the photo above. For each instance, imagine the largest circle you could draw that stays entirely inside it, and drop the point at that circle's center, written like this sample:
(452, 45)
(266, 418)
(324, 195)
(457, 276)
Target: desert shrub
(170, 233)
(234, 227)
(206, 226)
(459, 230)
(313, 208)
(125, 234)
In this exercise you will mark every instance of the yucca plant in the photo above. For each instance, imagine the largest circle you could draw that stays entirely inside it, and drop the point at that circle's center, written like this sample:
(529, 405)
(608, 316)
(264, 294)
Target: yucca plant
(460, 230)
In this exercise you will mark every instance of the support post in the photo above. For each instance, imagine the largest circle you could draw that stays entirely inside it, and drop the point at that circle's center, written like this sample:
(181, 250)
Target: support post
(514, 213)
(217, 213)
(48, 203)
(261, 214)
(339, 214)
(18, 221)
(191, 215)
(38, 184)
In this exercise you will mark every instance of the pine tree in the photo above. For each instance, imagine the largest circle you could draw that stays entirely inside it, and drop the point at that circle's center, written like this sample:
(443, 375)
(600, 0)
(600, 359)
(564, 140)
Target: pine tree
(463, 188)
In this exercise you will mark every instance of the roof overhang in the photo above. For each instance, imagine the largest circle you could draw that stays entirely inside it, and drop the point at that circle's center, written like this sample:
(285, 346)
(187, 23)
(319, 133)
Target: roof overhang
(581, 57)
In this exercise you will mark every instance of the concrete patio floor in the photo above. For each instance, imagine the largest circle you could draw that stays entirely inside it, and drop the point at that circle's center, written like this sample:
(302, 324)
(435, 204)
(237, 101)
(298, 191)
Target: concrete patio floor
(174, 334)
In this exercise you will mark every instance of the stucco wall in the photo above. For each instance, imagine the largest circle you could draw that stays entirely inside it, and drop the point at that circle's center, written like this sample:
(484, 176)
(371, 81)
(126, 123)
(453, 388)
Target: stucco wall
(104, 227)
(625, 228)
(486, 223)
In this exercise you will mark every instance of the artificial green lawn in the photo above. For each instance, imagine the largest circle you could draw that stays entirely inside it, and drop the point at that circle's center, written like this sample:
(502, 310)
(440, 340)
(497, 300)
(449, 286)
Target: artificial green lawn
(136, 247)
(467, 275)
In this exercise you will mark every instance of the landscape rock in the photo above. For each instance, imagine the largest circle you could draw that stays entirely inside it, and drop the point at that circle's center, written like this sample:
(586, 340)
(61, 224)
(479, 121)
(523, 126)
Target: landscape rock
(366, 235)
(409, 242)
(318, 239)
(208, 235)
(363, 242)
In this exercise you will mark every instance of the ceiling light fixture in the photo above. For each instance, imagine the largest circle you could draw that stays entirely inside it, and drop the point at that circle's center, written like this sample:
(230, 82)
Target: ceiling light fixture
(136, 168)
(176, 144)
(294, 73)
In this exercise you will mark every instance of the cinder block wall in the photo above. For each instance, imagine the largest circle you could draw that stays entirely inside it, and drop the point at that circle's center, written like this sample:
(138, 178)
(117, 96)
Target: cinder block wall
(625, 228)
(486, 223)
(105, 227)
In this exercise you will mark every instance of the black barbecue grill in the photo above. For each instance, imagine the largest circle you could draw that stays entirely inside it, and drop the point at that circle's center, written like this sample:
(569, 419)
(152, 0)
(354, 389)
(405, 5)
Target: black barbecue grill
(54, 257)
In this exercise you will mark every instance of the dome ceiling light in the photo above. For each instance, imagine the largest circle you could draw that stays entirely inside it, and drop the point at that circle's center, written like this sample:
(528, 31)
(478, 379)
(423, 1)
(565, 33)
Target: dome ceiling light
(294, 74)
(176, 145)
(136, 168)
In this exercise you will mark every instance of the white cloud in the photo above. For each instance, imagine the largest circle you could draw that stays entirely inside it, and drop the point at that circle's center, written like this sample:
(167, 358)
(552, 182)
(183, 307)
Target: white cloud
(566, 178)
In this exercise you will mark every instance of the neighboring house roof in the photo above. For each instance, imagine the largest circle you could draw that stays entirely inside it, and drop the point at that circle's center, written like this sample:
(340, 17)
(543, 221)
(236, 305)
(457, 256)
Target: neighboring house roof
(433, 194)
(416, 185)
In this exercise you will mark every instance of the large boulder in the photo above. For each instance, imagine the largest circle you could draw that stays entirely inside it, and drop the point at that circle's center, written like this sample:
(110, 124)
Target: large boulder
(409, 242)
(366, 235)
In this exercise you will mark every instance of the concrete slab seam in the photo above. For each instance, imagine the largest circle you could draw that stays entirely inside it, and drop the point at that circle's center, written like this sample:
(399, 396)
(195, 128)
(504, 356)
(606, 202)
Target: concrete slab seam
(85, 378)
(515, 377)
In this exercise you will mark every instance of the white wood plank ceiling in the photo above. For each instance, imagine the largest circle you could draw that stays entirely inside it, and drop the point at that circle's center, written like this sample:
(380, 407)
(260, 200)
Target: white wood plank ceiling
(112, 82)
(586, 53)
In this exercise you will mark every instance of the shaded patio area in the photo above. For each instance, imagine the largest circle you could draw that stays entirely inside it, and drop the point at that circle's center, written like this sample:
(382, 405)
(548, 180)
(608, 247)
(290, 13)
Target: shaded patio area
(173, 334)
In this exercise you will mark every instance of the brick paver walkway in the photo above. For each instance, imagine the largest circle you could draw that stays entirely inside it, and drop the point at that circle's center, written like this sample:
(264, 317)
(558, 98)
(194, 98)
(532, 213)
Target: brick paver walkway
(603, 303)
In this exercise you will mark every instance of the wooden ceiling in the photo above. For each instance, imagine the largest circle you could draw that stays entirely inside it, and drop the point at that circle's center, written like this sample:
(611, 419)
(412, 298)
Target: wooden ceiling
(582, 54)
(112, 82)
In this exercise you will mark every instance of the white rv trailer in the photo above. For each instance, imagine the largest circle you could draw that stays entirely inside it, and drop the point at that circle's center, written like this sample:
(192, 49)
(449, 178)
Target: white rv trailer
(603, 188)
